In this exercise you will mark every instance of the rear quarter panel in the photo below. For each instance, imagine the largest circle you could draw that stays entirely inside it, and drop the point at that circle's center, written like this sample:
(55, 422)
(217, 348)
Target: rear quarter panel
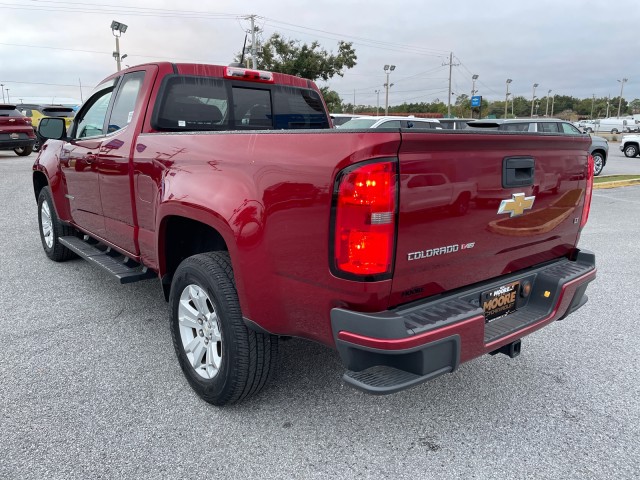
(269, 195)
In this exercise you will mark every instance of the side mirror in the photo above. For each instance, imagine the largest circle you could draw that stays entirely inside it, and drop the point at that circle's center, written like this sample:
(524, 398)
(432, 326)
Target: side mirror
(52, 128)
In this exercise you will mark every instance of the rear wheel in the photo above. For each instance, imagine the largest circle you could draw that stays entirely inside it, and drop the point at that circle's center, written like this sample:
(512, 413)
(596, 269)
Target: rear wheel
(630, 151)
(598, 163)
(614, 131)
(223, 360)
(23, 151)
(51, 229)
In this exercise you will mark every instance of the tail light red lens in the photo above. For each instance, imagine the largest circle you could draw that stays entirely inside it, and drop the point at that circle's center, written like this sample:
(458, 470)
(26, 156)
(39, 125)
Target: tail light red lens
(588, 192)
(365, 220)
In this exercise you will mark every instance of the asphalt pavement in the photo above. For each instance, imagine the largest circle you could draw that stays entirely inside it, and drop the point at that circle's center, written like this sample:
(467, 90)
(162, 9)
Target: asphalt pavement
(90, 387)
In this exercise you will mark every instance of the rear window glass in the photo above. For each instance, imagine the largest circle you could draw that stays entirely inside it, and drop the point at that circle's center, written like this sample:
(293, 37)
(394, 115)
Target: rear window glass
(10, 112)
(58, 112)
(203, 103)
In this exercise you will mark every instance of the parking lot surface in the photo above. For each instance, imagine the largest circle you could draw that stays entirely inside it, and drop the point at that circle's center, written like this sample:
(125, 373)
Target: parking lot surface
(91, 387)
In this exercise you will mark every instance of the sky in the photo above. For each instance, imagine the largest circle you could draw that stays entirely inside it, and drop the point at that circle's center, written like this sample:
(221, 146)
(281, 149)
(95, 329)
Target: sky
(571, 47)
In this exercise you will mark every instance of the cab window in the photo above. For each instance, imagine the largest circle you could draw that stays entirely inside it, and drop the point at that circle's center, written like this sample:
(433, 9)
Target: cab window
(125, 103)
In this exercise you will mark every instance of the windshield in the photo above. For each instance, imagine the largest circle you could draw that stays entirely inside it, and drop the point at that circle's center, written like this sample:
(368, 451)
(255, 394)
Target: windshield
(359, 123)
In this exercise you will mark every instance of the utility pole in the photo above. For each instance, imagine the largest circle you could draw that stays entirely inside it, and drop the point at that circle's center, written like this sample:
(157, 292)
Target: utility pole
(80, 83)
(546, 112)
(451, 65)
(553, 101)
(608, 103)
(473, 91)
(388, 69)
(118, 28)
(2, 86)
(354, 101)
(506, 99)
(377, 92)
(253, 41)
(622, 82)
(593, 102)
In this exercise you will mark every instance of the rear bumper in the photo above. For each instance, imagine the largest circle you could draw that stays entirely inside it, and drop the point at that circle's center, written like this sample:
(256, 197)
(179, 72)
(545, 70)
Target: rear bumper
(11, 144)
(388, 351)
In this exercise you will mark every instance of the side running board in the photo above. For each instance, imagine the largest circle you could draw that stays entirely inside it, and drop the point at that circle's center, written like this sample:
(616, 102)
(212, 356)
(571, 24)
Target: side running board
(118, 265)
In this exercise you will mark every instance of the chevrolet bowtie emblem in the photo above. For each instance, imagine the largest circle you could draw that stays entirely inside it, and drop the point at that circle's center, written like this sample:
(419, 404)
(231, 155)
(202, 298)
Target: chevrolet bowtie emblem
(516, 205)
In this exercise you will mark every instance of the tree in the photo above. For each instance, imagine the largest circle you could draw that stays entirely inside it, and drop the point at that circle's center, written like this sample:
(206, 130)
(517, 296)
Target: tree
(307, 61)
(332, 99)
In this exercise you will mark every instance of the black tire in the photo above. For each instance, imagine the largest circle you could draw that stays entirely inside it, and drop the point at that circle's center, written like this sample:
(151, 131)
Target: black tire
(52, 247)
(23, 151)
(614, 131)
(630, 151)
(36, 146)
(247, 358)
(598, 163)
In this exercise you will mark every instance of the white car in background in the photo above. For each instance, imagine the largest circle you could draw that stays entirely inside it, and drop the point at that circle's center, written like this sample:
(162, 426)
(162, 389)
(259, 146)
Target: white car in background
(391, 122)
(630, 145)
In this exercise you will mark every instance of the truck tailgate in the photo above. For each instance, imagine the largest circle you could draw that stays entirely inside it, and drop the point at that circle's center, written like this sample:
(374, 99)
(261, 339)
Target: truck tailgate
(451, 188)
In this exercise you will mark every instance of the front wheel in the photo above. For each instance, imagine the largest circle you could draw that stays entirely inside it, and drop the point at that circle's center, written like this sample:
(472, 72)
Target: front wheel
(630, 151)
(51, 229)
(223, 360)
(598, 163)
(614, 131)
(23, 151)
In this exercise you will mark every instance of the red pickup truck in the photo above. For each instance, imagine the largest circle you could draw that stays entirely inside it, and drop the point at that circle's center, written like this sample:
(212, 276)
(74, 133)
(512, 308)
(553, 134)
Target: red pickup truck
(261, 221)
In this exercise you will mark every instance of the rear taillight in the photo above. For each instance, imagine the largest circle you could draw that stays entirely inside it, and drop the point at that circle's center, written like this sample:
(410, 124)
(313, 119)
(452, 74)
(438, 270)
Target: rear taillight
(588, 192)
(365, 201)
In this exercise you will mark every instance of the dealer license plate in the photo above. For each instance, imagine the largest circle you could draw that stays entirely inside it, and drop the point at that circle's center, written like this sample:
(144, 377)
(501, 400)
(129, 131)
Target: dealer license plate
(500, 301)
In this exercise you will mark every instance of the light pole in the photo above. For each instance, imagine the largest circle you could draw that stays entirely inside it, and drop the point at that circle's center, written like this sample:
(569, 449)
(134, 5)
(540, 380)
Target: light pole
(8, 99)
(533, 98)
(117, 29)
(553, 102)
(608, 103)
(506, 99)
(387, 69)
(473, 91)
(593, 102)
(622, 82)
(2, 86)
(377, 101)
(546, 112)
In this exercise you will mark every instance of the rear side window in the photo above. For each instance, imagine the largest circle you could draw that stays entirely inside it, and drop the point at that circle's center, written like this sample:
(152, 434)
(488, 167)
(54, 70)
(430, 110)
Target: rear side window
(515, 127)
(189, 103)
(390, 124)
(420, 125)
(549, 127)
